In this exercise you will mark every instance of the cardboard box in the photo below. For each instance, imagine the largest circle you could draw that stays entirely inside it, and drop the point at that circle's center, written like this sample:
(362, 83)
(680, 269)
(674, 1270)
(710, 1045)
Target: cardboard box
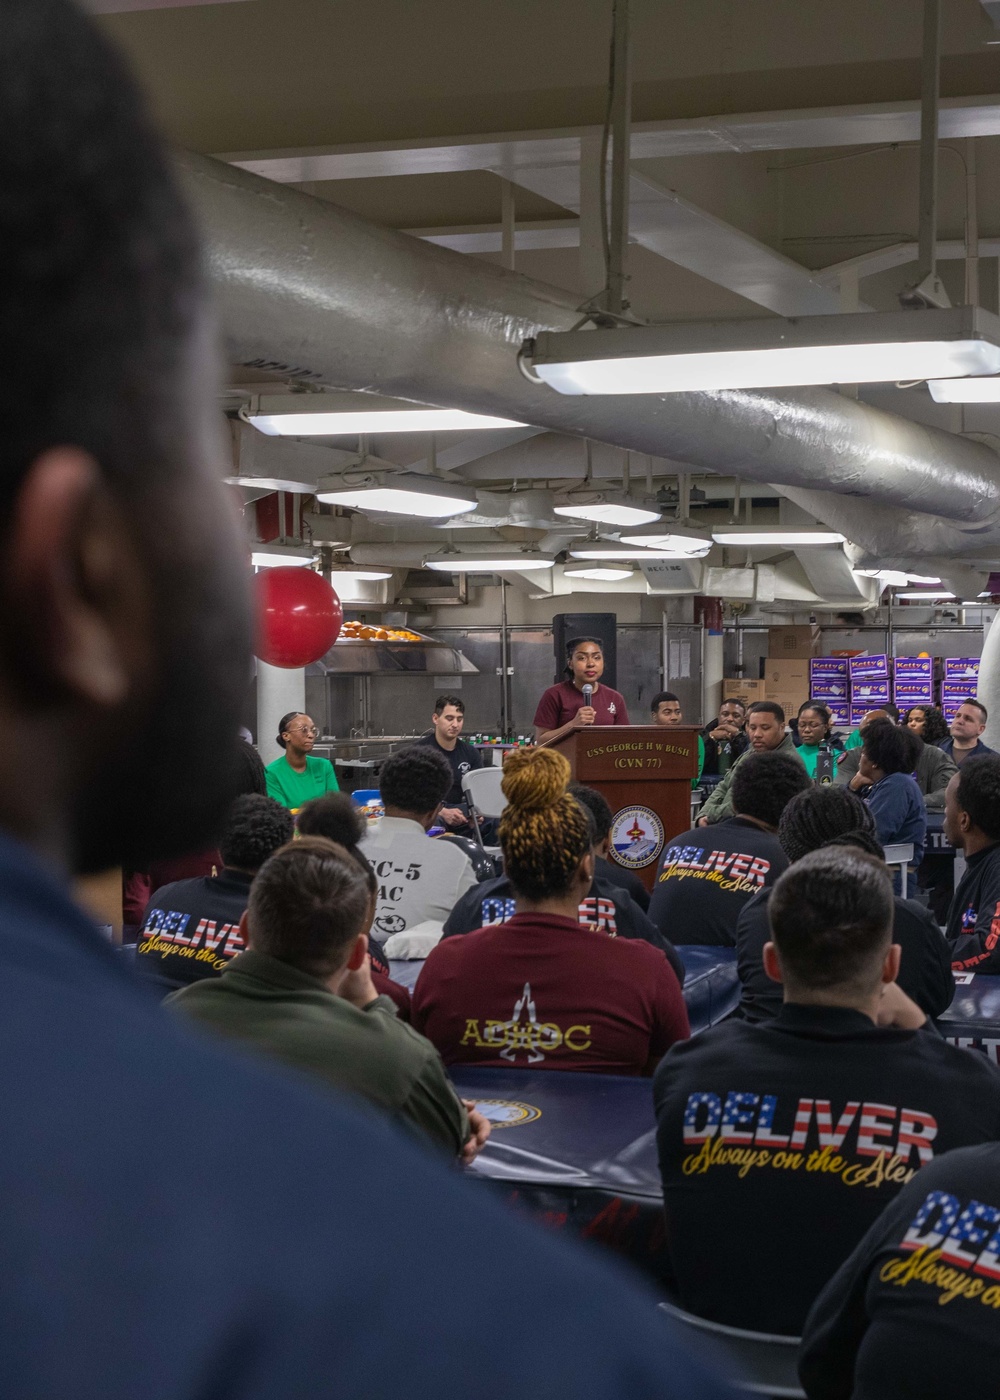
(840, 714)
(792, 643)
(858, 713)
(748, 691)
(958, 690)
(913, 668)
(828, 668)
(959, 667)
(873, 692)
(787, 682)
(865, 668)
(913, 693)
(830, 688)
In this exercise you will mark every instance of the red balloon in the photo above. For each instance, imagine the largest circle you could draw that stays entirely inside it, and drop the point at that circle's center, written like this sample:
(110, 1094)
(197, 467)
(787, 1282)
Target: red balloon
(298, 616)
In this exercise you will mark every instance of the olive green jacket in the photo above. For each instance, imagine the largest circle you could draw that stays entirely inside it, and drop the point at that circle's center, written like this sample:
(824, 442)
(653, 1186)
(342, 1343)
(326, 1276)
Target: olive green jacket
(296, 1018)
(720, 804)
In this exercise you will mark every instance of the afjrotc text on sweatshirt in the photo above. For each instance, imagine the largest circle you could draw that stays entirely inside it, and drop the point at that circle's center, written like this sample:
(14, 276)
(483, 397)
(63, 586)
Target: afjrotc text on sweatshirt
(915, 1310)
(974, 917)
(780, 1143)
(542, 992)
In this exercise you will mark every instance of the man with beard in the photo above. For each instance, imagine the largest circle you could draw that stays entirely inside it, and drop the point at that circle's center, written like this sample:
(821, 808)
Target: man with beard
(143, 1170)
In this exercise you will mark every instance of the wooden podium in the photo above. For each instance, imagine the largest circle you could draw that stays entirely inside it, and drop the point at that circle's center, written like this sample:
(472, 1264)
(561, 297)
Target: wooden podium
(645, 773)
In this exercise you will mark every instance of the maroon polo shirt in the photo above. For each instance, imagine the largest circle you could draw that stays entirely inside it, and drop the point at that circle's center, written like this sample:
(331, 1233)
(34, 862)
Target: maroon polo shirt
(560, 703)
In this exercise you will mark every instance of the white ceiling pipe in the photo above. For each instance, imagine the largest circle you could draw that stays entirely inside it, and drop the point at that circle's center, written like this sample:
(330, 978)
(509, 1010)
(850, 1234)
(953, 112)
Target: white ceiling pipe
(315, 291)
(894, 539)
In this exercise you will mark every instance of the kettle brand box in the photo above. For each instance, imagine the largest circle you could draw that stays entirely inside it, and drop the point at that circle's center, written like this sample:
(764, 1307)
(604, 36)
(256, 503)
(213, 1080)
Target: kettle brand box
(829, 688)
(828, 668)
(913, 692)
(957, 667)
(869, 668)
(858, 713)
(873, 691)
(957, 691)
(913, 668)
(840, 713)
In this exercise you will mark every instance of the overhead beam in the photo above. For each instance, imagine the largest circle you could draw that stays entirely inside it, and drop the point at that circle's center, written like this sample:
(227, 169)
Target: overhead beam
(898, 254)
(488, 238)
(863, 124)
(667, 224)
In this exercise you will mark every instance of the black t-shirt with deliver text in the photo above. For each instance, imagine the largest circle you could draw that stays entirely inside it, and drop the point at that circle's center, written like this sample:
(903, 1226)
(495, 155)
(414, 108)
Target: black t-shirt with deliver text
(191, 929)
(708, 874)
(780, 1143)
(607, 908)
(913, 1313)
(463, 758)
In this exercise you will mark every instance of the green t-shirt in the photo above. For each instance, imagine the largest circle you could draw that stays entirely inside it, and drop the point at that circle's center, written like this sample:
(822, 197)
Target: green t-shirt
(854, 740)
(293, 790)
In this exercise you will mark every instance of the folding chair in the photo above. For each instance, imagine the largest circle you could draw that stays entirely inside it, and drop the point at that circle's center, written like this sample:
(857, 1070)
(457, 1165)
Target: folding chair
(482, 789)
(901, 855)
(756, 1363)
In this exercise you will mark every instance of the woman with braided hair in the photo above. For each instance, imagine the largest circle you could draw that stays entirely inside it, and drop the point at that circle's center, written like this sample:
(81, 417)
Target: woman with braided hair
(813, 820)
(541, 991)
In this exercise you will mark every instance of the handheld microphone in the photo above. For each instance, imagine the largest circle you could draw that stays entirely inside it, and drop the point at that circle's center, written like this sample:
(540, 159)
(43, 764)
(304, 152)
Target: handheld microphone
(588, 694)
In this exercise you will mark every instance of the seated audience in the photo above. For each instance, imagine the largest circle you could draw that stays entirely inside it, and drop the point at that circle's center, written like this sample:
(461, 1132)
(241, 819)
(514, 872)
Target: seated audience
(303, 992)
(927, 722)
(705, 879)
(766, 732)
(972, 825)
(444, 737)
(191, 928)
(887, 760)
(815, 732)
(912, 1313)
(965, 733)
(606, 908)
(597, 805)
(419, 880)
(541, 991)
(724, 738)
(855, 739)
(336, 817)
(825, 817)
(665, 709)
(780, 1143)
(932, 771)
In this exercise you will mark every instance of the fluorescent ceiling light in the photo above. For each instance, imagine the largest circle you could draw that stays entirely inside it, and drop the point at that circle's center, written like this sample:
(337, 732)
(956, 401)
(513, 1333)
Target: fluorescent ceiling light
(487, 563)
(928, 595)
(971, 390)
(623, 551)
(606, 573)
(895, 577)
(271, 556)
(604, 509)
(750, 534)
(358, 575)
(399, 494)
(866, 347)
(677, 539)
(329, 415)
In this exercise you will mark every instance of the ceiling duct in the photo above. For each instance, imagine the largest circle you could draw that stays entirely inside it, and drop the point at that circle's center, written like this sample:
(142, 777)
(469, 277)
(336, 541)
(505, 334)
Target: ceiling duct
(314, 291)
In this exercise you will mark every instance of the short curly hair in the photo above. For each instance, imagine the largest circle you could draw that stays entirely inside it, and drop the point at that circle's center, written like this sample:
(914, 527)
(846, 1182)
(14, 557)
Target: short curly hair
(890, 748)
(979, 793)
(765, 783)
(596, 805)
(256, 827)
(335, 816)
(935, 727)
(416, 779)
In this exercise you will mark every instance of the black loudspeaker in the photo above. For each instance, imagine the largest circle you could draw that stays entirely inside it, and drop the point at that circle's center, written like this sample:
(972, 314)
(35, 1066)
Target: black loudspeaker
(604, 626)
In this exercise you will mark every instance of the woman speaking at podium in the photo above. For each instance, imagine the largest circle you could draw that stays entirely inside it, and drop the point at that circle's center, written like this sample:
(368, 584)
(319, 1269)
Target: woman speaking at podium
(580, 699)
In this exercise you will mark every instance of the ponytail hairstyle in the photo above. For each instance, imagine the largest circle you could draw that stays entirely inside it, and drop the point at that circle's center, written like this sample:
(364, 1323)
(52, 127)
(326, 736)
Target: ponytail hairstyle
(544, 832)
(284, 723)
(821, 816)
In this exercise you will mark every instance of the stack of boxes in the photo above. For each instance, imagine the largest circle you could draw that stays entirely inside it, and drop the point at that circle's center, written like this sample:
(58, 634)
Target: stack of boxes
(912, 682)
(829, 682)
(961, 676)
(869, 685)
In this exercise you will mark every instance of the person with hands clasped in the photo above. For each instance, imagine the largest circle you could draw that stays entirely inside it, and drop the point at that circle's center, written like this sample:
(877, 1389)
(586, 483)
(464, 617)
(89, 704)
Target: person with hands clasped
(581, 699)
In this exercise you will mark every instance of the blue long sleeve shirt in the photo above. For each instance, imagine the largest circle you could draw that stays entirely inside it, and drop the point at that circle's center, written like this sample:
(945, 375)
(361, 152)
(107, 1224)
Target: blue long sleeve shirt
(182, 1220)
(900, 815)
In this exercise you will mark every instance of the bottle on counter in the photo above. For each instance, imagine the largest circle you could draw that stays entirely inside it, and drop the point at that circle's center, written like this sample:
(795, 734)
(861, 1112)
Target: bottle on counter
(824, 766)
